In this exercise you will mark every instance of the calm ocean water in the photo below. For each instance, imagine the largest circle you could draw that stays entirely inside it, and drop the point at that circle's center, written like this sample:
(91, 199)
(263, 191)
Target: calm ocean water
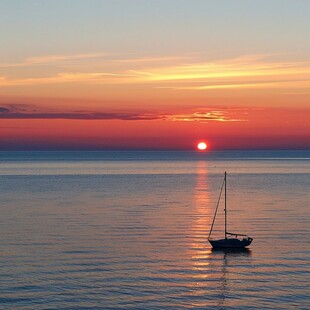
(128, 230)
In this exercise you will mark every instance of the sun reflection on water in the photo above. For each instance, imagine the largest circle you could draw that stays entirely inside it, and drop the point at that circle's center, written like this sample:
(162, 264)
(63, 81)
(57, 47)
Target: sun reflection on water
(200, 251)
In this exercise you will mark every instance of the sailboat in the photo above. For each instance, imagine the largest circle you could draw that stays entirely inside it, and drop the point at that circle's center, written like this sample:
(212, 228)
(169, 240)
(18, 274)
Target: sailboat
(231, 240)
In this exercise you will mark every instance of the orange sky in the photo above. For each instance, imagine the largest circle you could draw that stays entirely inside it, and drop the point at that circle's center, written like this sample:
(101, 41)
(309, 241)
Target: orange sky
(116, 89)
(261, 128)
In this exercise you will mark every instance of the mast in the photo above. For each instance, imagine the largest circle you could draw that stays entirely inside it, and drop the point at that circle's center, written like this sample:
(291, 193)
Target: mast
(217, 206)
(225, 207)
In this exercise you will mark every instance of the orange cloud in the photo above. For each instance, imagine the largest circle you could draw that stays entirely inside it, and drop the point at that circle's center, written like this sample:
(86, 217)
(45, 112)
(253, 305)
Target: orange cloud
(204, 117)
(243, 72)
(69, 77)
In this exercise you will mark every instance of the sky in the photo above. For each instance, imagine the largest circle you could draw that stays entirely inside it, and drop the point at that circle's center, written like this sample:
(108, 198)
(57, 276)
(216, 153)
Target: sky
(154, 74)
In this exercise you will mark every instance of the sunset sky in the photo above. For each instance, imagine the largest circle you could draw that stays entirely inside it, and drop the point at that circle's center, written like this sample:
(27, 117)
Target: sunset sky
(154, 74)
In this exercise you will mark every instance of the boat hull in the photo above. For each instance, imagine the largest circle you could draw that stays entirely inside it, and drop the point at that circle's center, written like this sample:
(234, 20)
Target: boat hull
(231, 243)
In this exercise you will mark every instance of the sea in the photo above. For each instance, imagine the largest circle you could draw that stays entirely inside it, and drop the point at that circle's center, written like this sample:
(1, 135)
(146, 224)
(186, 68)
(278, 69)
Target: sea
(129, 230)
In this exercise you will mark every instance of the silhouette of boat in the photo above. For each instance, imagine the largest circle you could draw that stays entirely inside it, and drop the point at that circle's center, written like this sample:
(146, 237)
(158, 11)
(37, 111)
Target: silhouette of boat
(231, 240)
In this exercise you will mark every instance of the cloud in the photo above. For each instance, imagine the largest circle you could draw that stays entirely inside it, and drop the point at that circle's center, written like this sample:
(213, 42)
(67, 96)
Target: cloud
(48, 59)
(296, 84)
(236, 71)
(204, 117)
(6, 113)
(147, 60)
(12, 112)
(70, 77)
(40, 60)
(4, 110)
(253, 71)
(61, 58)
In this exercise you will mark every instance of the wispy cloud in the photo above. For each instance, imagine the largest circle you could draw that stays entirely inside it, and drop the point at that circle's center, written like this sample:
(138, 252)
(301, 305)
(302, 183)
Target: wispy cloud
(265, 85)
(39, 60)
(256, 71)
(149, 60)
(111, 58)
(69, 77)
(234, 73)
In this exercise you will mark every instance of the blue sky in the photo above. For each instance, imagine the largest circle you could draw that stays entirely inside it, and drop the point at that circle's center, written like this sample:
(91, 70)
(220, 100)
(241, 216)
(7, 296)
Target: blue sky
(215, 28)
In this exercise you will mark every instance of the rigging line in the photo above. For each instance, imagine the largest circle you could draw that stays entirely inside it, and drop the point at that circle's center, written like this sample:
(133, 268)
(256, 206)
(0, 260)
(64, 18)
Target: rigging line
(218, 202)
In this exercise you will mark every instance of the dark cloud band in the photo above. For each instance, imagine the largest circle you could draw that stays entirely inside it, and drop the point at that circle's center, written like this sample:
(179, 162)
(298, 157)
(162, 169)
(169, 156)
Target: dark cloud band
(6, 113)
(14, 112)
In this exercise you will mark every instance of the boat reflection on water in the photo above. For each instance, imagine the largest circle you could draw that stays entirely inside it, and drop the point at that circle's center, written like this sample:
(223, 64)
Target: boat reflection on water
(231, 251)
(229, 263)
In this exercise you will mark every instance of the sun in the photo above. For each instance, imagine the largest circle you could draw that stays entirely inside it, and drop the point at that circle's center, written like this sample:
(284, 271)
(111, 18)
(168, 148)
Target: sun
(202, 146)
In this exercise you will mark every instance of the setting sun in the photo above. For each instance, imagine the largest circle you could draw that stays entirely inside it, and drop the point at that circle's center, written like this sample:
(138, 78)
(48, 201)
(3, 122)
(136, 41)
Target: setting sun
(202, 146)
